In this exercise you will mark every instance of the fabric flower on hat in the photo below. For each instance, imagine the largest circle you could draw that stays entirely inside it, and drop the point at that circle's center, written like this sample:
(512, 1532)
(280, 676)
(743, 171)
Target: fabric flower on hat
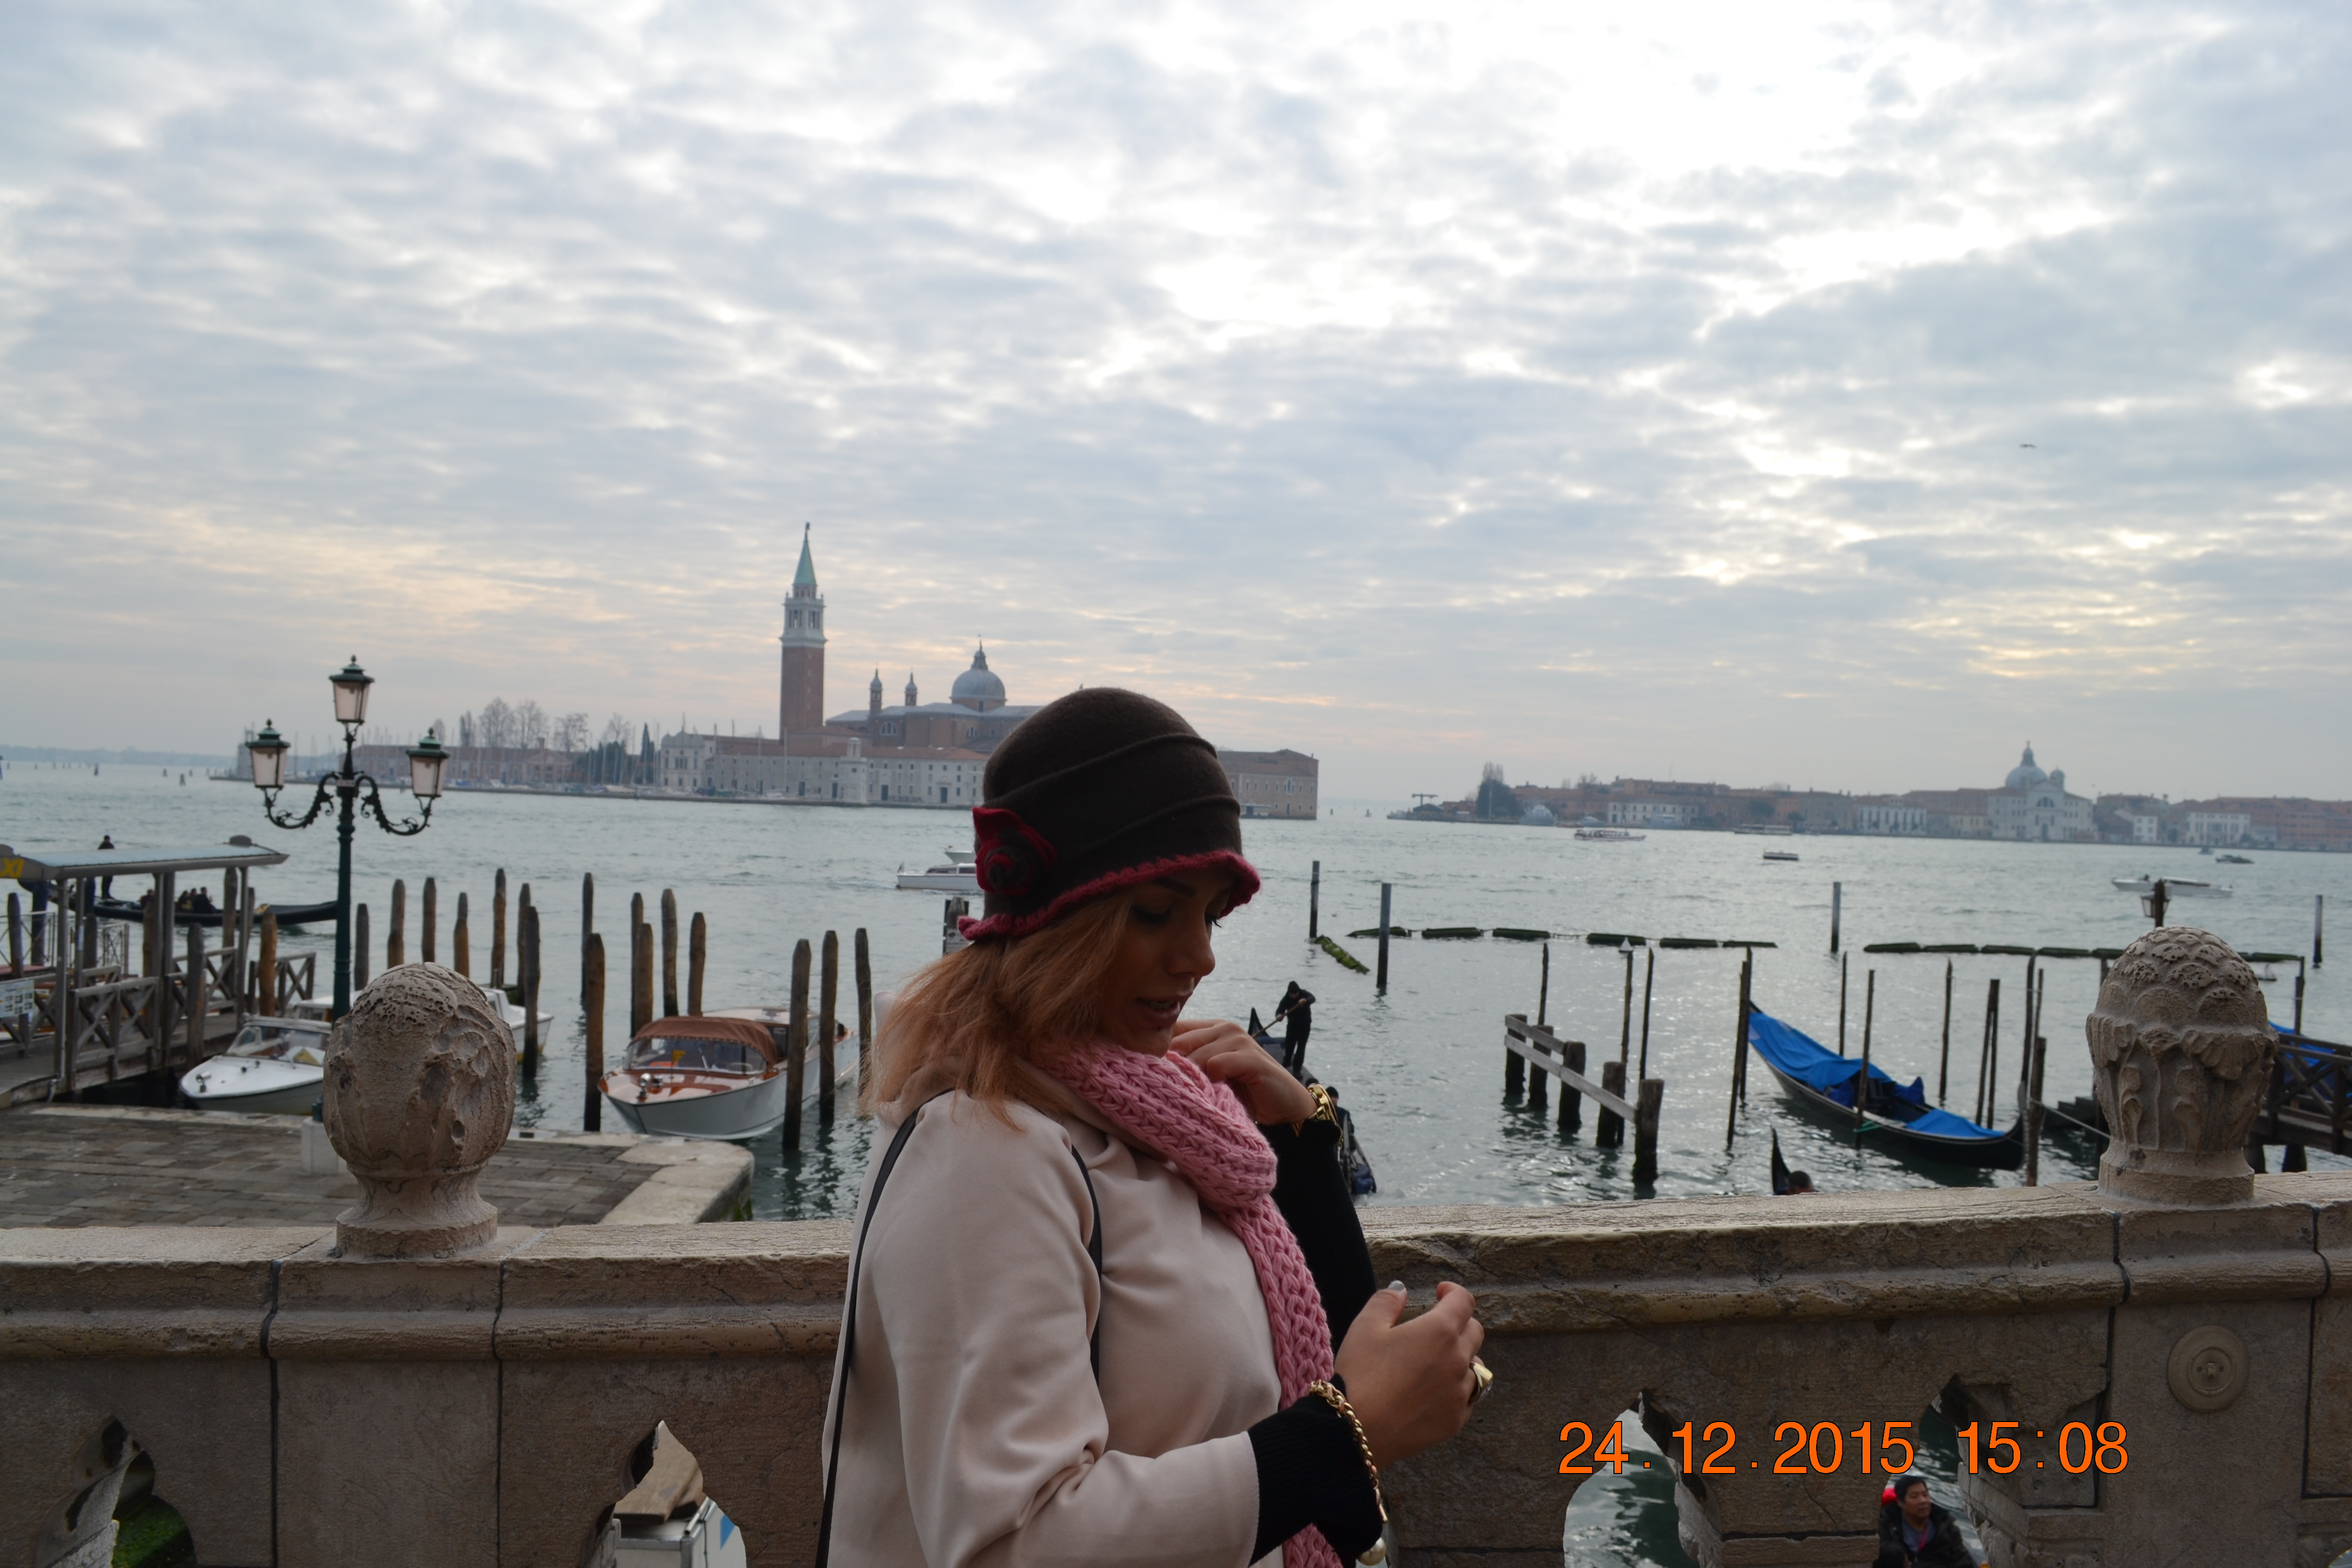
(1013, 857)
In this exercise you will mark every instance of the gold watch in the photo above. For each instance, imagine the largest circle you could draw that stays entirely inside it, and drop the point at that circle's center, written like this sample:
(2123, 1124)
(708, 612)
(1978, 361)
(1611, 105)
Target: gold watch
(1327, 1108)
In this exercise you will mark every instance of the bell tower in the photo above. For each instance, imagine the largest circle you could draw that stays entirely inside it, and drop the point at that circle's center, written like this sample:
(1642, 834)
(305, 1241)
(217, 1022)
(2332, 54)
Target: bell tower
(801, 705)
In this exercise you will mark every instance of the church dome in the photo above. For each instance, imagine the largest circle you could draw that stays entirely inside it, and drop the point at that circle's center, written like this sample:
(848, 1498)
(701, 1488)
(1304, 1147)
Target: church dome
(2025, 776)
(977, 687)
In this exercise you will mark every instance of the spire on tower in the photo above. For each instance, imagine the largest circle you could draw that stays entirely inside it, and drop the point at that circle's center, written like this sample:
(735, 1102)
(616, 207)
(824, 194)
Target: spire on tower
(805, 579)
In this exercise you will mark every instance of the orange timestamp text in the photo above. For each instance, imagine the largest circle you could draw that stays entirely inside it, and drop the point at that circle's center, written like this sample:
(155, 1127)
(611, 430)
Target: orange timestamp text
(1821, 1449)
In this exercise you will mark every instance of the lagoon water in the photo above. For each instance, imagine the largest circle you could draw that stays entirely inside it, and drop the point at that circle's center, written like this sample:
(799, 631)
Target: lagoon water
(1421, 1066)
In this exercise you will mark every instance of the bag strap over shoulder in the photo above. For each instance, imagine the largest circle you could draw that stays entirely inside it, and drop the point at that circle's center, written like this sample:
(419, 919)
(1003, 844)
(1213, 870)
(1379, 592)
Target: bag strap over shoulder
(849, 1311)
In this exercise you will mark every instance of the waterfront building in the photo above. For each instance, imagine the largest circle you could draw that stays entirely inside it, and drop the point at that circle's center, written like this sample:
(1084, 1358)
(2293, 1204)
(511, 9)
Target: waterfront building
(2216, 828)
(2034, 804)
(1273, 783)
(1885, 815)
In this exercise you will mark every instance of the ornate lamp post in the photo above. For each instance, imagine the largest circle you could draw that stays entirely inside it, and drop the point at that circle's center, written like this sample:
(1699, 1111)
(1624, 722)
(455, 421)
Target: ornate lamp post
(426, 762)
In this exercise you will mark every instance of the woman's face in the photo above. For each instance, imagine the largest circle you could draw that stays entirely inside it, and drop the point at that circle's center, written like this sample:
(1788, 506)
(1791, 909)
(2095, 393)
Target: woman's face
(1163, 953)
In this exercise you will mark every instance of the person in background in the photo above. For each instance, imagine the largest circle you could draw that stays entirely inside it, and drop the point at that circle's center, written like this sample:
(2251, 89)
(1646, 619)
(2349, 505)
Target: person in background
(1297, 1017)
(1800, 1181)
(105, 889)
(1915, 1532)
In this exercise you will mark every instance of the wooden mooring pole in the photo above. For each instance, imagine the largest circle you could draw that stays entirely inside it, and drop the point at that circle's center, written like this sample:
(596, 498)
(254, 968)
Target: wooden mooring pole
(1543, 986)
(499, 929)
(395, 941)
(796, 1048)
(1380, 981)
(1862, 1078)
(669, 953)
(1739, 1052)
(1609, 1128)
(16, 934)
(1625, 1024)
(264, 990)
(641, 978)
(1843, 965)
(2318, 928)
(698, 953)
(1649, 974)
(1837, 910)
(1988, 1050)
(1572, 1099)
(591, 985)
(461, 943)
(1313, 900)
(587, 922)
(431, 935)
(2033, 1116)
(195, 995)
(828, 1009)
(1944, 1061)
(528, 962)
(1647, 1104)
(865, 969)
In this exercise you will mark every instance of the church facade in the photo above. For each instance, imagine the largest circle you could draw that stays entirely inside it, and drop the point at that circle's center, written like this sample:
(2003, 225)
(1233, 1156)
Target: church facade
(2035, 805)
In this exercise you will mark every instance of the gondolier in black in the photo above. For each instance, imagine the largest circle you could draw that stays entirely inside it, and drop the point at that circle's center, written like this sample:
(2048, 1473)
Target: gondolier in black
(1297, 1017)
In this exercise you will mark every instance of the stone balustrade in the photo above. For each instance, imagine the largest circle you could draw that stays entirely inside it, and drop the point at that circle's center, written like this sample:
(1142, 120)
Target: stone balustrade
(311, 1399)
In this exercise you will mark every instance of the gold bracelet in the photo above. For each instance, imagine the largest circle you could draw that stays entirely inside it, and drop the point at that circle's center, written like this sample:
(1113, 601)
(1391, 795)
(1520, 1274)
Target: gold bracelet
(1338, 1402)
(1327, 1108)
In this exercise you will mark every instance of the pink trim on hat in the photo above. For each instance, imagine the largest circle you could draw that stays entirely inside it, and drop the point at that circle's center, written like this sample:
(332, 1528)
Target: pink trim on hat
(1245, 888)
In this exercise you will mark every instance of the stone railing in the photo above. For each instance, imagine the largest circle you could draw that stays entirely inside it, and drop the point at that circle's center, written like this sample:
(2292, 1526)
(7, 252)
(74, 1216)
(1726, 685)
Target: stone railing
(372, 1397)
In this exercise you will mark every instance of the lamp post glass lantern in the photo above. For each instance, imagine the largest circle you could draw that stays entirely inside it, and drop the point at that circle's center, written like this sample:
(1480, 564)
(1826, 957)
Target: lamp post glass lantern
(351, 788)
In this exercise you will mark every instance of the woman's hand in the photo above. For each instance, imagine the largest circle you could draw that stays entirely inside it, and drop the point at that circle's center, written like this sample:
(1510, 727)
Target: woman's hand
(1410, 1382)
(1223, 1049)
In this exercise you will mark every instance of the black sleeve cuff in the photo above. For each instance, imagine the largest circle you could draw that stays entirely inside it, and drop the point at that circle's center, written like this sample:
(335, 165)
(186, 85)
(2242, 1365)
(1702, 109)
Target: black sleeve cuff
(1310, 1471)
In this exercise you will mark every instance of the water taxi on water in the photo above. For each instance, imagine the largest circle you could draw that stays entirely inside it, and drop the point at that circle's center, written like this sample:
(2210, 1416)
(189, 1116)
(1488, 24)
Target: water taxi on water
(958, 876)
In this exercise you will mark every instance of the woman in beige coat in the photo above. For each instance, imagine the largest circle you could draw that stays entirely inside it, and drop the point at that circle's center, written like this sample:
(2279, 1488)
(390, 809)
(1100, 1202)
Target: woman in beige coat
(1105, 1260)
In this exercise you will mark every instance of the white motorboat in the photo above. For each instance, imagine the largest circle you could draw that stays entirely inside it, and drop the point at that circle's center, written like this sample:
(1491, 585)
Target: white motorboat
(274, 1064)
(1609, 835)
(2174, 887)
(318, 1007)
(958, 876)
(717, 1075)
(699, 1078)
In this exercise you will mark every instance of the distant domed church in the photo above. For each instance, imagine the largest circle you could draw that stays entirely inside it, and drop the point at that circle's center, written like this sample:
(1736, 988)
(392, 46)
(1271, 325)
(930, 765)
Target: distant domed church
(975, 717)
(2033, 805)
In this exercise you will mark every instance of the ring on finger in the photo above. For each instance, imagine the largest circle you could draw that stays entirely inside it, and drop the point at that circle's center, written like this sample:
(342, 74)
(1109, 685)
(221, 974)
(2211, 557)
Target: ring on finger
(1478, 1370)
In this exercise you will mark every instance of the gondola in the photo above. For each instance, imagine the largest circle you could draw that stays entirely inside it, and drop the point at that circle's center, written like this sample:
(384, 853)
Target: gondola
(288, 915)
(1896, 1117)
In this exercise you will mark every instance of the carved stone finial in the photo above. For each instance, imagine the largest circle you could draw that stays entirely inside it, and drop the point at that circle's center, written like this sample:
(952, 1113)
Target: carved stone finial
(420, 1088)
(2181, 1054)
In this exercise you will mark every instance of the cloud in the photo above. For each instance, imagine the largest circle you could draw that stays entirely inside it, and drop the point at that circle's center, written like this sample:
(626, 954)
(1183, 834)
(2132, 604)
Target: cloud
(1585, 390)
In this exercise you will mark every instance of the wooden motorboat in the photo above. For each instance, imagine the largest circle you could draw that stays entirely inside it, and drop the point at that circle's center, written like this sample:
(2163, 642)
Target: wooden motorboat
(273, 1064)
(1897, 1116)
(188, 914)
(699, 1078)
(1780, 854)
(958, 875)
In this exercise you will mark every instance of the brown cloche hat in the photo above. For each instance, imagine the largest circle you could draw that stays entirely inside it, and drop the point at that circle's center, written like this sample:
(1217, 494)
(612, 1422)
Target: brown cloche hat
(1098, 791)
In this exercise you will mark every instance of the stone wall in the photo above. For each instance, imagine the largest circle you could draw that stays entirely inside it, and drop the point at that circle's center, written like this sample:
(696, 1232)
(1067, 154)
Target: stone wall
(424, 1385)
(304, 1408)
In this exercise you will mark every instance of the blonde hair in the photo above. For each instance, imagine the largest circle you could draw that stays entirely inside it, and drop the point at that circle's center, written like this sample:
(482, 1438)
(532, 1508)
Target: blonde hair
(968, 1018)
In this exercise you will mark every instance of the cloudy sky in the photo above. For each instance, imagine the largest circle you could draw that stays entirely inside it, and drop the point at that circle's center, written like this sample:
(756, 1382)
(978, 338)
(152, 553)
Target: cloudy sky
(1834, 393)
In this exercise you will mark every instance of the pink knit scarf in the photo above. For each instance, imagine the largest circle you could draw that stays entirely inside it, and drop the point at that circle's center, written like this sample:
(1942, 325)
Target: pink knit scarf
(1170, 1106)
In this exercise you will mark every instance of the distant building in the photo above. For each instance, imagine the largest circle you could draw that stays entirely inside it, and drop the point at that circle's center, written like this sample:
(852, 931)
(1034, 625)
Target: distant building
(2218, 828)
(1889, 817)
(800, 703)
(2033, 805)
(1273, 783)
(975, 717)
